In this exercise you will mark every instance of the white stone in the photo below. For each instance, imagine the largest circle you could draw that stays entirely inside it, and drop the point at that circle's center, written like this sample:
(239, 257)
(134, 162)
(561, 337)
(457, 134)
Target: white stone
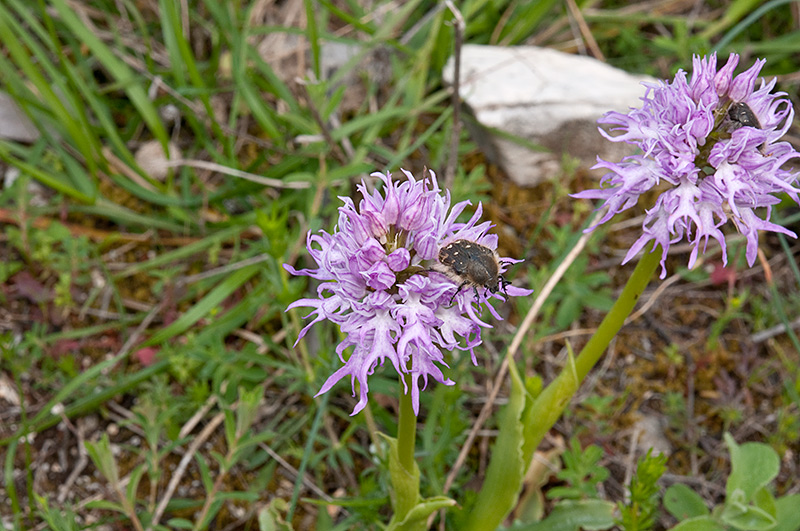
(648, 432)
(545, 97)
(14, 123)
(151, 158)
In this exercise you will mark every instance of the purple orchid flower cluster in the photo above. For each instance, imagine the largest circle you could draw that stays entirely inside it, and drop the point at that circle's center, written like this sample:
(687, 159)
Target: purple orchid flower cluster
(713, 141)
(378, 284)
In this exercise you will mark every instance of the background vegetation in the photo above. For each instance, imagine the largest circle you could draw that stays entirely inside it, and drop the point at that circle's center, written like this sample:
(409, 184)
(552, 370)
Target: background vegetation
(147, 372)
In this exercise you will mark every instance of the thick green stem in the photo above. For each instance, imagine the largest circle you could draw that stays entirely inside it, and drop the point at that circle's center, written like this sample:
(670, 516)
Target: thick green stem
(406, 428)
(524, 425)
(549, 405)
(402, 466)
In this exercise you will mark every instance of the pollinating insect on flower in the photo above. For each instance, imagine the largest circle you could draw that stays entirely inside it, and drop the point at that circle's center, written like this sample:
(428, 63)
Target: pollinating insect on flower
(404, 281)
(713, 144)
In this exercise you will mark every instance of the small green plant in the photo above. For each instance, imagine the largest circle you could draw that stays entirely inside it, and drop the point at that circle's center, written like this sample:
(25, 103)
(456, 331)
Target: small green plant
(240, 439)
(639, 514)
(581, 472)
(579, 289)
(593, 415)
(749, 503)
(62, 256)
(56, 519)
(733, 311)
(577, 504)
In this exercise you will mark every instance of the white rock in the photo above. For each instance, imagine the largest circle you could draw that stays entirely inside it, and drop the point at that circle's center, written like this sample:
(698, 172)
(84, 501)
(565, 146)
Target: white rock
(38, 193)
(8, 391)
(14, 123)
(151, 158)
(649, 433)
(546, 97)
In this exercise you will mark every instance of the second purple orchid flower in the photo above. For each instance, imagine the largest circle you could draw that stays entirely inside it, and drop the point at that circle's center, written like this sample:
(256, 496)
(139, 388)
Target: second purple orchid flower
(713, 144)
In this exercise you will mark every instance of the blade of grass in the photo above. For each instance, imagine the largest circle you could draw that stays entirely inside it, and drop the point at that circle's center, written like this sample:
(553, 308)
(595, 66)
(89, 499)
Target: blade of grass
(246, 89)
(116, 68)
(109, 210)
(322, 407)
(155, 197)
(182, 252)
(272, 84)
(406, 151)
(241, 313)
(101, 112)
(354, 20)
(85, 404)
(312, 34)
(43, 177)
(782, 46)
(181, 57)
(205, 306)
(523, 23)
(51, 91)
(736, 11)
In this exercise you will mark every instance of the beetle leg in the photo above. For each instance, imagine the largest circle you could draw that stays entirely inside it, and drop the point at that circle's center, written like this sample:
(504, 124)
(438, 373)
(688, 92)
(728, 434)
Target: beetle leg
(503, 283)
(458, 290)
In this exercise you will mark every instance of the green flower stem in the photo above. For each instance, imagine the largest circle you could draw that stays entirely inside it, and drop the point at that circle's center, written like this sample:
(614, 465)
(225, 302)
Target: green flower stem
(549, 405)
(411, 512)
(403, 470)
(524, 423)
(407, 434)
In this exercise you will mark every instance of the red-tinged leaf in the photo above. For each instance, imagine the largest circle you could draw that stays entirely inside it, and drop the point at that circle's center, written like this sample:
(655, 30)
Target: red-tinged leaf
(146, 356)
(723, 274)
(64, 346)
(31, 289)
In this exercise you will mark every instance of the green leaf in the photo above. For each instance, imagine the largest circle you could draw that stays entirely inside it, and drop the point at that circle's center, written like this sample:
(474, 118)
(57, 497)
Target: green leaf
(57, 519)
(133, 484)
(750, 519)
(103, 459)
(9, 269)
(756, 517)
(405, 485)
(231, 283)
(682, 502)
(753, 466)
(573, 515)
(247, 410)
(639, 513)
(699, 523)
(180, 523)
(205, 473)
(106, 506)
(786, 512)
(116, 67)
(50, 179)
(270, 518)
(501, 488)
(418, 516)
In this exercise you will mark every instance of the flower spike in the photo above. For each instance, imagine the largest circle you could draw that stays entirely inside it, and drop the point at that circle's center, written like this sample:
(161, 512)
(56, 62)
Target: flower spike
(712, 147)
(384, 284)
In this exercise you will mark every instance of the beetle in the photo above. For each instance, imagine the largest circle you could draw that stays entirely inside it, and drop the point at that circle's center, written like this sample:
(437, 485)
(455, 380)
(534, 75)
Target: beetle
(471, 264)
(742, 114)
